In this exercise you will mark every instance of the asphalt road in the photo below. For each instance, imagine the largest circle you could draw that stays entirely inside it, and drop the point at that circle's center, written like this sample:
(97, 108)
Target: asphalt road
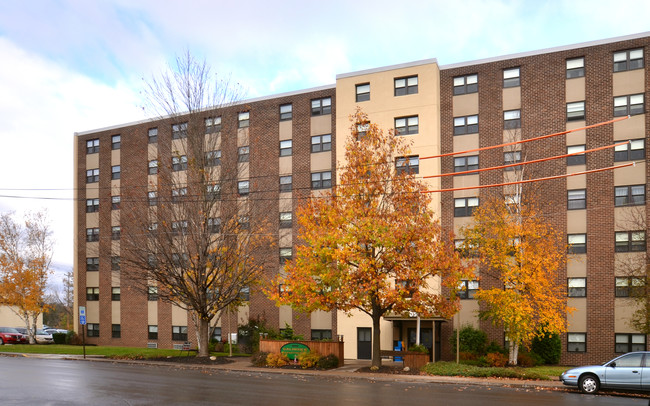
(32, 381)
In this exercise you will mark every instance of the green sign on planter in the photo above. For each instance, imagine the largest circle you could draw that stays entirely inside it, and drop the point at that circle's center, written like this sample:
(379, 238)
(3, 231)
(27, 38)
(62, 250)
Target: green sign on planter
(293, 350)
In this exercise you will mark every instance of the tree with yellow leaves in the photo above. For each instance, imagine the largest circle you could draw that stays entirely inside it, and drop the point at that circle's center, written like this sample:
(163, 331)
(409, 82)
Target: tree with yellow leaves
(25, 256)
(522, 253)
(372, 243)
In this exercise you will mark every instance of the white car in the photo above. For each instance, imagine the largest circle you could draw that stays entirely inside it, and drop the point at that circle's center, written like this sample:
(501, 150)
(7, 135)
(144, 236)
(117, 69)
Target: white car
(43, 338)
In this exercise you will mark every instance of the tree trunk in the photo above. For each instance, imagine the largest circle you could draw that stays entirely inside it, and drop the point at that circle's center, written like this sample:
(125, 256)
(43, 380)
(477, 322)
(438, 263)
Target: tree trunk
(376, 344)
(202, 328)
(513, 351)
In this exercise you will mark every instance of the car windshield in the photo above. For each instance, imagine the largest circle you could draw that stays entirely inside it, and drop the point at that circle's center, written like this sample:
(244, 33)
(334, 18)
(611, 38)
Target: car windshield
(8, 330)
(41, 332)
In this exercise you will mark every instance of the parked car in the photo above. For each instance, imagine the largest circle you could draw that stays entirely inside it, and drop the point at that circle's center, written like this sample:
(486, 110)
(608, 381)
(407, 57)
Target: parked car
(55, 330)
(43, 338)
(629, 371)
(9, 335)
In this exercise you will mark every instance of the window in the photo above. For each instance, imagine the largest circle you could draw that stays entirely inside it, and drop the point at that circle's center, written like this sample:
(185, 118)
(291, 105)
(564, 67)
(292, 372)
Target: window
(286, 112)
(320, 143)
(115, 331)
(179, 333)
(285, 254)
(92, 175)
(511, 77)
(115, 232)
(214, 225)
(116, 141)
(115, 172)
(115, 202)
(243, 154)
(179, 227)
(575, 111)
(153, 167)
(629, 105)
(511, 119)
(630, 241)
(212, 125)
(467, 289)
(577, 287)
(465, 125)
(285, 183)
(115, 294)
(320, 107)
(243, 187)
(286, 147)
(92, 264)
(578, 159)
(213, 191)
(152, 196)
(243, 119)
(286, 219)
(406, 125)
(213, 158)
(363, 92)
(635, 149)
(92, 205)
(153, 135)
(576, 342)
(575, 68)
(464, 207)
(179, 163)
(92, 329)
(629, 343)
(466, 250)
(179, 131)
(152, 293)
(244, 222)
(465, 84)
(629, 286)
(577, 243)
(406, 85)
(115, 263)
(362, 130)
(629, 195)
(92, 294)
(152, 332)
(410, 164)
(510, 158)
(317, 335)
(92, 146)
(628, 60)
(321, 180)
(179, 194)
(576, 199)
(465, 163)
(92, 234)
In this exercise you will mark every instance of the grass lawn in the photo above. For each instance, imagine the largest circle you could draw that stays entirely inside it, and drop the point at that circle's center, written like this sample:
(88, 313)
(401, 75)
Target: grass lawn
(453, 369)
(111, 352)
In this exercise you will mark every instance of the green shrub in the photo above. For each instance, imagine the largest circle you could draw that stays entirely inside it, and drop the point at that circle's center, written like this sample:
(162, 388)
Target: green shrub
(419, 348)
(328, 362)
(494, 347)
(259, 358)
(226, 348)
(548, 347)
(287, 333)
(59, 338)
(73, 338)
(308, 359)
(496, 359)
(471, 340)
(528, 359)
(276, 360)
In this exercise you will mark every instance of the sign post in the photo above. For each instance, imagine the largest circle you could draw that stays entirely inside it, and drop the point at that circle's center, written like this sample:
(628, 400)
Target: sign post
(82, 323)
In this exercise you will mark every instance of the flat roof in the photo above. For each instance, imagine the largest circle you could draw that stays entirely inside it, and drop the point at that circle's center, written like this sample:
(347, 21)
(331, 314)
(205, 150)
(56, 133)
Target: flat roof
(245, 101)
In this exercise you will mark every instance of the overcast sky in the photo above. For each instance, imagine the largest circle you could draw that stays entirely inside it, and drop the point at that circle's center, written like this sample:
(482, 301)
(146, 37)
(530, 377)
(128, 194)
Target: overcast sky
(77, 65)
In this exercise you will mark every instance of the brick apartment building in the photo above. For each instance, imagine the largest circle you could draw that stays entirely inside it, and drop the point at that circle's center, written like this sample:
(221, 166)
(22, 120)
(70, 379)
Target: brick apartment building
(441, 109)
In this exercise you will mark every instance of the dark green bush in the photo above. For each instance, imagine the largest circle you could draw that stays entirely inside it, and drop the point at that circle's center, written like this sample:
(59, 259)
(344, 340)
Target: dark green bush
(328, 362)
(59, 338)
(528, 359)
(471, 340)
(418, 348)
(548, 347)
(494, 347)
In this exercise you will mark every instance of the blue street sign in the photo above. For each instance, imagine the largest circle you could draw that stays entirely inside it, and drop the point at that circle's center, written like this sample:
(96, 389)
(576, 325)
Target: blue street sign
(82, 320)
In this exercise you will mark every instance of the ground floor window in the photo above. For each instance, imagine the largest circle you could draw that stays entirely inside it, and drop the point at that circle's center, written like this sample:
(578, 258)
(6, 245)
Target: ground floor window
(179, 333)
(321, 334)
(153, 332)
(576, 342)
(629, 342)
(116, 331)
(92, 329)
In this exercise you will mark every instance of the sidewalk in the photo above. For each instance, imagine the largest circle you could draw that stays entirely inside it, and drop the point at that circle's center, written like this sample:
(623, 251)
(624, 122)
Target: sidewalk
(242, 364)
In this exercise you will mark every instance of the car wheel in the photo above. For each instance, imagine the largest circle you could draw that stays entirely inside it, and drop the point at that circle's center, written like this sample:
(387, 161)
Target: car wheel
(589, 384)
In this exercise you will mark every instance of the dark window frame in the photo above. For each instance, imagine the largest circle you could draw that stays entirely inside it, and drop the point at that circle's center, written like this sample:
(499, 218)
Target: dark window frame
(465, 165)
(577, 248)
(462, 125)
(116, 262)
(465, 87)
(116, 233)
(364, 95)
(405, 85)
(629, 108)
(212, 124)
(243, 187)
(179, 131)
(286, 147)
(575, 70)
(92, 264)
(576, 291)
(92, 205)
(319, 143)
(151, 334)
(92, 175)
(286, 219)
(116, 202)
(321, 106)
(92, 234)
(152, 135)
(578, 159)
(213, 158)
(408, 164)
(512, 80)
(286, 183)
(512, 123)
(116, 294)
(116, 331)
(576, 346)
(116, 141)
(152, 167)
(287, 114)
(179, 163)
(575, 111)
(321, 180)
(92, 146)
(629, 63)
(632, 243)
(629, 286)
(466, 210)
(574, 201)
(408, 128)
(243, 154)
(92, 294)
(116, 172)
(621, 347)
(92, 329)
(629, 198)
(467, 292)
(179, 333)
(243, 119)
(630, 151)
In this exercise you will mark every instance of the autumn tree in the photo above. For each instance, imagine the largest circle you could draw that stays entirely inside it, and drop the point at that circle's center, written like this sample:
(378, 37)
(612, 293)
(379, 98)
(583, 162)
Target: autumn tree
(61, 303)
(372, 243)
(25, 256)
(519, 249)
(196, 244)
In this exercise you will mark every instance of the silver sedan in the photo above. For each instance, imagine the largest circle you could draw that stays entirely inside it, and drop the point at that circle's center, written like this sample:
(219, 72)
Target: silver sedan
(630, 371)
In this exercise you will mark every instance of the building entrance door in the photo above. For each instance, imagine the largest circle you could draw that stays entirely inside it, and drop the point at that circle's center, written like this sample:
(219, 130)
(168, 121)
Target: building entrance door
(364, 343)
(426, 338)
